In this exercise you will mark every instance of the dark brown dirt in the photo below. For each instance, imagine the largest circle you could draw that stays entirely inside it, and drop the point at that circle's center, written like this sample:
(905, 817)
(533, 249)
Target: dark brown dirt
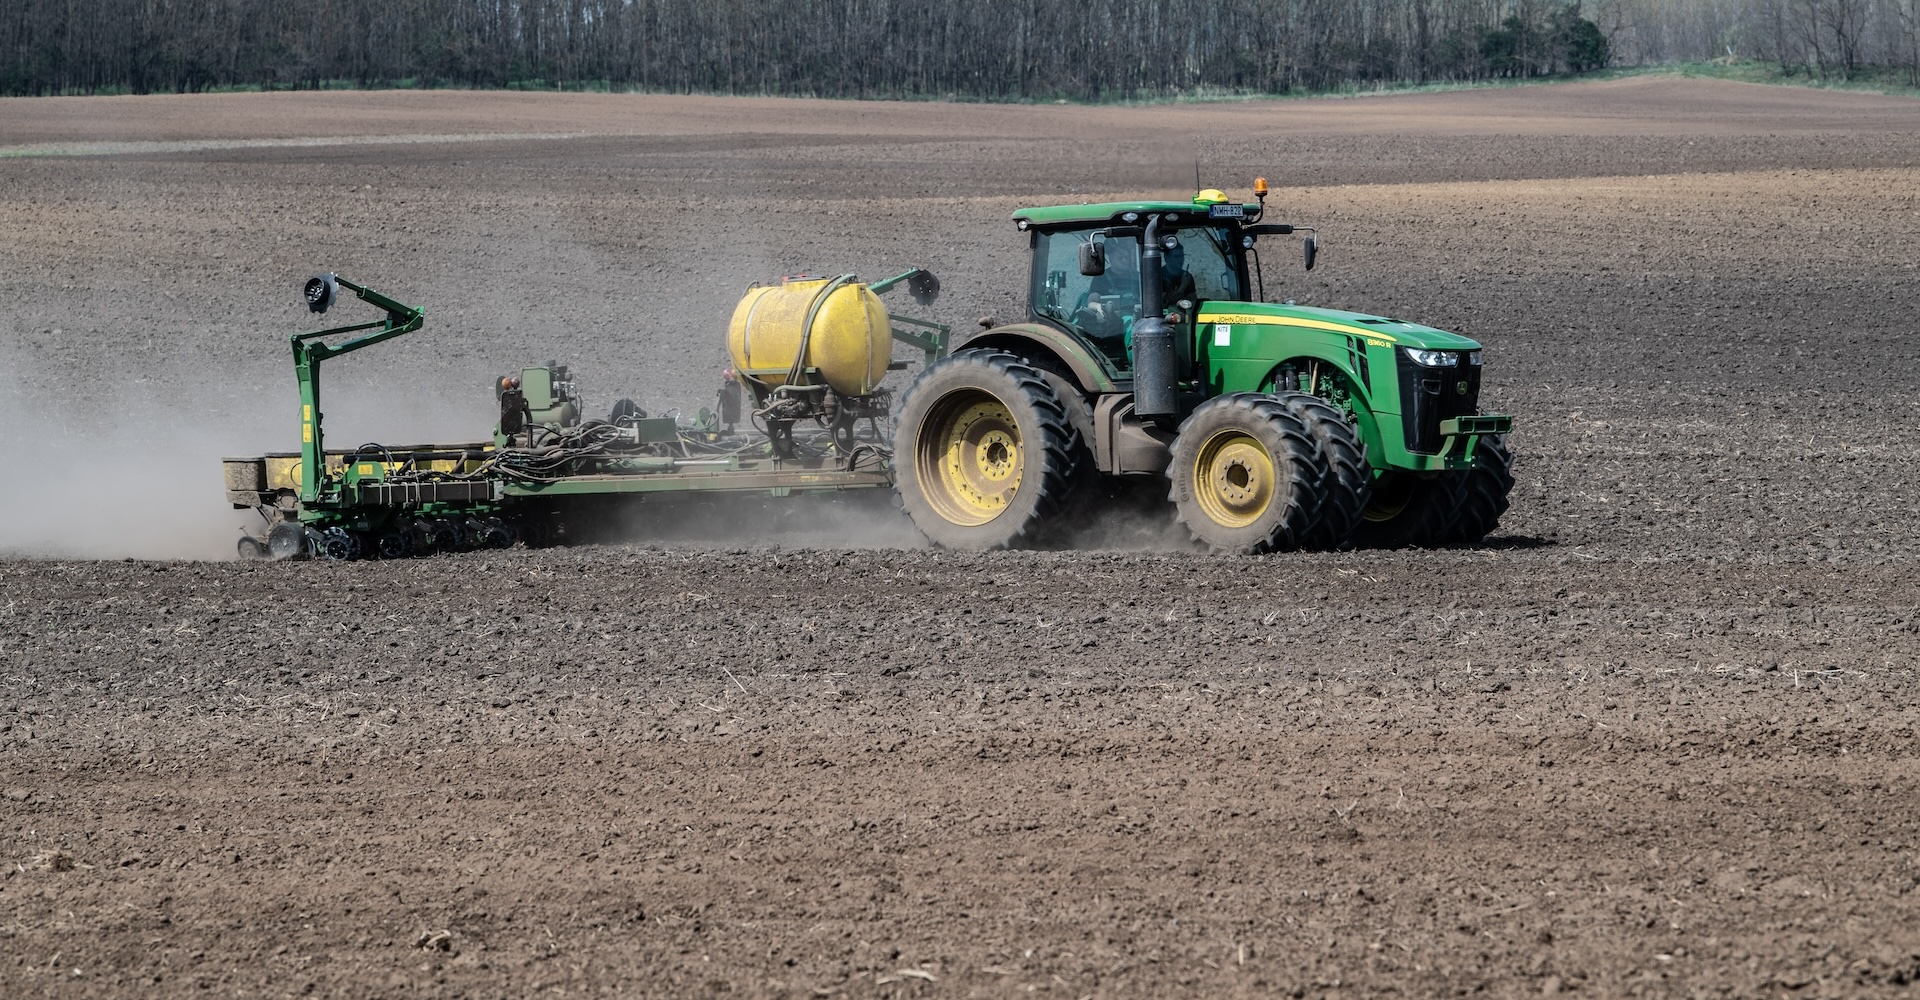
(1656, 738)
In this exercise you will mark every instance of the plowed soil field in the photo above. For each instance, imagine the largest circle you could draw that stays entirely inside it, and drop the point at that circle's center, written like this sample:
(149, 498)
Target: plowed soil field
(1655, 737)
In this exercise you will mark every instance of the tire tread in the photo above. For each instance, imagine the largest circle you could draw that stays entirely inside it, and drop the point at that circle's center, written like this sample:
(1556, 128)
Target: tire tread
(1343, 461)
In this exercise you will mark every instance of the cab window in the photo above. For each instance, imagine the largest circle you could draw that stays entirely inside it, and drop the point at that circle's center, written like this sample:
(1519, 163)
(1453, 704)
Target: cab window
(1212, 264)
(1100, 307)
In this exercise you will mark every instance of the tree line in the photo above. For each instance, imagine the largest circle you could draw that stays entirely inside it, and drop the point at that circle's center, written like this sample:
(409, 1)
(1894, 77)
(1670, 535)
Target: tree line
(967, 49)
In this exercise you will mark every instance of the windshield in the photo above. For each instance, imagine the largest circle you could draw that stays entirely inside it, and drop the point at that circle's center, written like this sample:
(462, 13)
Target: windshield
(1207, 259)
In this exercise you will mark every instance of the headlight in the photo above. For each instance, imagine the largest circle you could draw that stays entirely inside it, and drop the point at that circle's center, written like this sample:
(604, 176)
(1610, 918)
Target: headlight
(1473, 358)
(1433, 359)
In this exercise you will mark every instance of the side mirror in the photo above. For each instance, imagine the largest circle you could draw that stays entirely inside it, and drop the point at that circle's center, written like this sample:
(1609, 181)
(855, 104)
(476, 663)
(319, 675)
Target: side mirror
(320, 292)
(1093, 259)
(1312, 250)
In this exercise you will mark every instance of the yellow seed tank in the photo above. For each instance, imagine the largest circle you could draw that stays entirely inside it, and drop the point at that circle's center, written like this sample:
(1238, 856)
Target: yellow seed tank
(849, 342)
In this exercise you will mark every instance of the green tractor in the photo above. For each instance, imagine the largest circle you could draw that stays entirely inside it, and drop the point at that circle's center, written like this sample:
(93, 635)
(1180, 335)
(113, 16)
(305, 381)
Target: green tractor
(1148, 355)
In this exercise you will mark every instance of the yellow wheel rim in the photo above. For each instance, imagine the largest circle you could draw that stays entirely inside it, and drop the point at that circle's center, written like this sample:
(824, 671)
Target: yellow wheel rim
(1390, 497)
(1233, 479)
(970, 461)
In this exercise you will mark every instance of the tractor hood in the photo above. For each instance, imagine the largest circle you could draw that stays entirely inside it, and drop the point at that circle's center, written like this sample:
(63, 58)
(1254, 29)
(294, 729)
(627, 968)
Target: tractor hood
(1378, 329)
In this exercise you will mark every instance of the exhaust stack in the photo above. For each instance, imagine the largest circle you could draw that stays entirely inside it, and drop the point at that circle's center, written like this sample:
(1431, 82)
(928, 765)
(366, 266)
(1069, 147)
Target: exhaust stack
(1155, 376)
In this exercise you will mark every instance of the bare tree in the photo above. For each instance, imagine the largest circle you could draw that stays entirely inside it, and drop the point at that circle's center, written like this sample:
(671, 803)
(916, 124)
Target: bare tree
(991, 49)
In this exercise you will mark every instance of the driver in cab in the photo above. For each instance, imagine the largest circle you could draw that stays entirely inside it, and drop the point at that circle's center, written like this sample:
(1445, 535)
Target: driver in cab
(1114, 297)
(1176, 281)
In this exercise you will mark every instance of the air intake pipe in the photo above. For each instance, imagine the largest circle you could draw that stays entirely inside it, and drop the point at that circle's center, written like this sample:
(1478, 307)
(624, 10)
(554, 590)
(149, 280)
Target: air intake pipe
(1154, 361)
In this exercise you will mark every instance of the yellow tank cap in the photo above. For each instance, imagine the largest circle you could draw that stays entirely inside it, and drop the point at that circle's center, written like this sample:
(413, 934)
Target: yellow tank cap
(1211, 196)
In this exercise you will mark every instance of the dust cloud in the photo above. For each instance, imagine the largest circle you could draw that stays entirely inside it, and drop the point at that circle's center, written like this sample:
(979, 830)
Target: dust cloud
(854, 519)
(122, 471)
(1126, 516)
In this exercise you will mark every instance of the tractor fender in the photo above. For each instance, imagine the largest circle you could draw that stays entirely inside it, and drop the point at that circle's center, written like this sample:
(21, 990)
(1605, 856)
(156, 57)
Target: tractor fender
(1039, 343)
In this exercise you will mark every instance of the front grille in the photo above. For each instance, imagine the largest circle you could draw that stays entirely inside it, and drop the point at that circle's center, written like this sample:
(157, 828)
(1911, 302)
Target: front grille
(1430, 395)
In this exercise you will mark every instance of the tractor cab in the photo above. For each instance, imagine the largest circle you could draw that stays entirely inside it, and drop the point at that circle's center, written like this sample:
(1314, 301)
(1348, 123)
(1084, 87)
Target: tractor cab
(1088, 278)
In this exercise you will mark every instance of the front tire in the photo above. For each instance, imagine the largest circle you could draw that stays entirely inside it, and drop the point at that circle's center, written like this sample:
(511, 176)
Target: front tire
(1343, 457)
(1247, 475)
(1484, 495)
(1406, 510)
(984, 454)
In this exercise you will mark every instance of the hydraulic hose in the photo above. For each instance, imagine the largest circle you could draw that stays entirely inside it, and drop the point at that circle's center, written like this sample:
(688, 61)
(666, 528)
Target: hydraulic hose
(806, 330)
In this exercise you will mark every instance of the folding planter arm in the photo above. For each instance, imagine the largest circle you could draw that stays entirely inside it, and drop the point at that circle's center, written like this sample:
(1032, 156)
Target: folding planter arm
(309, 349)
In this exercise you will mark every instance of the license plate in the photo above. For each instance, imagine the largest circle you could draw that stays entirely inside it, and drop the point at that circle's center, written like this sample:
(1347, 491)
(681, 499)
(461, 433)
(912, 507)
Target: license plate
(1227, 212)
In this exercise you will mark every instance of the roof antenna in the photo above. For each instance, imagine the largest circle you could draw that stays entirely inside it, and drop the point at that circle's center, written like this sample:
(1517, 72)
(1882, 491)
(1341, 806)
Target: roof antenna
(1197, 186)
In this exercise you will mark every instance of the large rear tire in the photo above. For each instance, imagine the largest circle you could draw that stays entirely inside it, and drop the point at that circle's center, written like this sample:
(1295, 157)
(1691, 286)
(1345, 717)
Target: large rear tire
(984, 454)
(1484, 496)
(1247, 475)
(1343, 458)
